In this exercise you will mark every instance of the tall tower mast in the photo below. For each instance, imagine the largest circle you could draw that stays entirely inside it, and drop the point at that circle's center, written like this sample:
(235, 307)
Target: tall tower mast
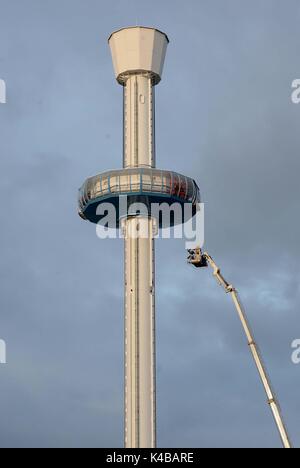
(138, 56)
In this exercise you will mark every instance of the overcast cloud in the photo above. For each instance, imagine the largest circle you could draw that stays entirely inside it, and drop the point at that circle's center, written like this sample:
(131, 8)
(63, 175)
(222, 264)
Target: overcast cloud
(225, 117)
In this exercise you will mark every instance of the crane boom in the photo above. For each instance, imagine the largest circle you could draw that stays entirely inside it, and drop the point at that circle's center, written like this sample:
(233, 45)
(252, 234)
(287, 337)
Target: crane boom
(199, 259)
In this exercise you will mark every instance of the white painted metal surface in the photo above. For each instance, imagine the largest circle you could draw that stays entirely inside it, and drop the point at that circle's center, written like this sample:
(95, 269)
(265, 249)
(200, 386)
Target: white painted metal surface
(140, 404)
(139, 138)
(140, 401)
(138, 49)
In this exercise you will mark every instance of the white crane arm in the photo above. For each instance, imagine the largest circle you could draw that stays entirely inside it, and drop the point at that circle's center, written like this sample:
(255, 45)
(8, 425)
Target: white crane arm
(202, 260)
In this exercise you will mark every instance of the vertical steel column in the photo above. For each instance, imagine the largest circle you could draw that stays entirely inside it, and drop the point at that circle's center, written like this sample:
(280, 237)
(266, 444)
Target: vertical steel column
(140, 388)
(139, 141)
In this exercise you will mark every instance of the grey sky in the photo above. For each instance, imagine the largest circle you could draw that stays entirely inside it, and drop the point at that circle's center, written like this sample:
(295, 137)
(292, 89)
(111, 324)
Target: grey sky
(225, 117)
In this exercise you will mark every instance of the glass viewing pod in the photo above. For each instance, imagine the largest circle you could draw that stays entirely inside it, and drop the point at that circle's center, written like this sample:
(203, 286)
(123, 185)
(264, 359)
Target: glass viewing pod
(139, 185)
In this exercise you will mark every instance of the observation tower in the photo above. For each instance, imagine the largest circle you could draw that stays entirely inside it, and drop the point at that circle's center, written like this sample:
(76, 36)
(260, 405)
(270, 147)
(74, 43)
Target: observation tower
(138, 55)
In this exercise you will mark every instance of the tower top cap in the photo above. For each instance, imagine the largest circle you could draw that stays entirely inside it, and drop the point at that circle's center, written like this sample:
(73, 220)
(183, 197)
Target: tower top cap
(138, 49)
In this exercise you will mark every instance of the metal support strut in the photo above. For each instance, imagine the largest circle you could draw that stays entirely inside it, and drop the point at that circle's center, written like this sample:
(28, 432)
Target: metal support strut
(200, 260)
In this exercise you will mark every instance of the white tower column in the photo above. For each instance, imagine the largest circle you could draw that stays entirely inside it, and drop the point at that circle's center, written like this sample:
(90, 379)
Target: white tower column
(138, 56)
(139, 138)
(140, 399)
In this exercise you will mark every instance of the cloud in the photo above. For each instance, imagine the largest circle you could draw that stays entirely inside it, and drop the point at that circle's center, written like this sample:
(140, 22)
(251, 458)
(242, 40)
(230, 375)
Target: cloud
(224, 116)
